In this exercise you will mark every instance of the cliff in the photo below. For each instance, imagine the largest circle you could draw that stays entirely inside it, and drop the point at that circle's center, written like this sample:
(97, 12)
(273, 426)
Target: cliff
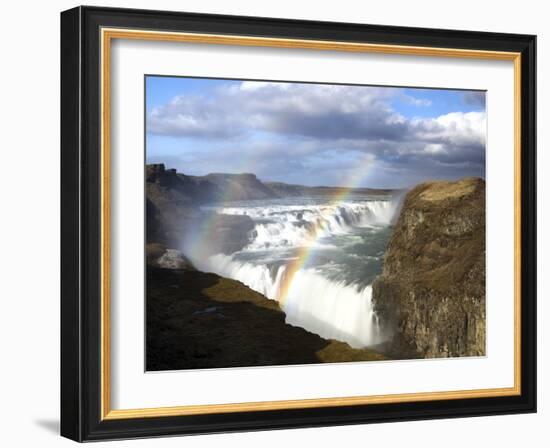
(201, 320)
(194, 190)
(173, 211)
(432, 288)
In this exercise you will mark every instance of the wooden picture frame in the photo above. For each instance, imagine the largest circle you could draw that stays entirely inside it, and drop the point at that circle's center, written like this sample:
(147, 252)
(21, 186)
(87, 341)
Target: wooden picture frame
(86, 35)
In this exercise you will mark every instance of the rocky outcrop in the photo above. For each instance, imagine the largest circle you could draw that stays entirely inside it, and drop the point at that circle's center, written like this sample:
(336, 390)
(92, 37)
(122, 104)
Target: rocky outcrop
(173, 212)
(171, 203)
(432, 288)
(159, 256)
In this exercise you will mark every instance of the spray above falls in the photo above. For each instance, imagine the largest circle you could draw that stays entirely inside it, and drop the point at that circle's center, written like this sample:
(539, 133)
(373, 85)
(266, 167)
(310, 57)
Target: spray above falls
(316, 256)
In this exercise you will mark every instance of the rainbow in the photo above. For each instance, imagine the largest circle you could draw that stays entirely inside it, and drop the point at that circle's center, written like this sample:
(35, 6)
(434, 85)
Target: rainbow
(354, 180)
(193, 248)
(305, 252)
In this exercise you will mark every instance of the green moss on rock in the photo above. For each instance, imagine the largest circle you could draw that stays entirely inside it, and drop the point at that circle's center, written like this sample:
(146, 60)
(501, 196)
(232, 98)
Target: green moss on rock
(200, 320)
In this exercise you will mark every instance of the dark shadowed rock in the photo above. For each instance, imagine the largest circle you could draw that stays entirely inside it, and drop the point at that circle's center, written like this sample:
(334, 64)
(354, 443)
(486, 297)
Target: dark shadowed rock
(173, 211)
(432, 288)
(198, 320)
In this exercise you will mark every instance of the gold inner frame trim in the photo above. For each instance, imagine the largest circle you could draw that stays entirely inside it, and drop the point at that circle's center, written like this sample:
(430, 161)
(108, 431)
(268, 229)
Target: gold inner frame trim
(107, 35)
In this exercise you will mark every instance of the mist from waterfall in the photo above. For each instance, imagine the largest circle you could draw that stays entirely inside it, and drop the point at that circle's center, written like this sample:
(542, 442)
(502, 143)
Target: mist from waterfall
(330, 293)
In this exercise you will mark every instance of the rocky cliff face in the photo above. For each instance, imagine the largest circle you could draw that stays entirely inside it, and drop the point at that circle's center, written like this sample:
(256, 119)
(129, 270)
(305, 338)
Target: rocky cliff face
(170, 201)
(432, 288)
(173, 211)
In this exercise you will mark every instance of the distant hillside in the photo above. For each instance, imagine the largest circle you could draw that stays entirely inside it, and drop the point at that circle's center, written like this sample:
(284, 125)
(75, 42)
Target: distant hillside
(237, 187)
(286, 190)
(181, 189)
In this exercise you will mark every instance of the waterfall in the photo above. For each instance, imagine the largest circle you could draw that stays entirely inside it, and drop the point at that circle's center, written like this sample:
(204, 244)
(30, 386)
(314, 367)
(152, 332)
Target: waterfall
(329, 307)
(290, 226)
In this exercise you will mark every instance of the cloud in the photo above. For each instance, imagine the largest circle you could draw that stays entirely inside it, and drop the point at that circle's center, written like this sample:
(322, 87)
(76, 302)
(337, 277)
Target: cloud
(194, 116)
(320, 111)
(314, 125)
(474, 98)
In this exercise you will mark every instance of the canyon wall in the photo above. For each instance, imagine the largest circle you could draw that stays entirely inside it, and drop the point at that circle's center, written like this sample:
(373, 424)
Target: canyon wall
(432, 288)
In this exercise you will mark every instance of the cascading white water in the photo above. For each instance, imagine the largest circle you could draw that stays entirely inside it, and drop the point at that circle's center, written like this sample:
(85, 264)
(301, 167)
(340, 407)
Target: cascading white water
(291, 226)
(324, 304)
(333, 310)
(256, 276)
(330, 309)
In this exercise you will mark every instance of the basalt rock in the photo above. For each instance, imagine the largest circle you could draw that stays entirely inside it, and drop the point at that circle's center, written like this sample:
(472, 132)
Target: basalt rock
(432, 288)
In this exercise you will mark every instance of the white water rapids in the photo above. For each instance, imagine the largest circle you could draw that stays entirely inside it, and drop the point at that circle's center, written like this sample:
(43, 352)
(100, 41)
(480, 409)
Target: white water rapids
(330, 293)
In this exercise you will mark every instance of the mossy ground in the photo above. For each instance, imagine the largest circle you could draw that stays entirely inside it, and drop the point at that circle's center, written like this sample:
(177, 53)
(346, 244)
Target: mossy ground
(199, 320)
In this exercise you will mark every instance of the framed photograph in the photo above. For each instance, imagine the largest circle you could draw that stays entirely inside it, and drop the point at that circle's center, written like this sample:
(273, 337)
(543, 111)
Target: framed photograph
(273, 223)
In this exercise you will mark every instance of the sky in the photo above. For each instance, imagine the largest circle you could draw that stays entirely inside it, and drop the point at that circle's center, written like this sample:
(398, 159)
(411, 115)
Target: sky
(315, 134)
